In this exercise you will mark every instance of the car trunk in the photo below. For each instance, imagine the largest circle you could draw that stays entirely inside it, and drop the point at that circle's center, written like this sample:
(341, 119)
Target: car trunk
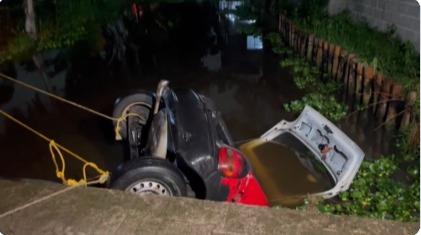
(307, 156)
(286, 175)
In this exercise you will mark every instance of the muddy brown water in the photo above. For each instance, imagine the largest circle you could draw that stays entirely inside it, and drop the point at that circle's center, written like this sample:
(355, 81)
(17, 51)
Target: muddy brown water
(247, 86)
(283, 177)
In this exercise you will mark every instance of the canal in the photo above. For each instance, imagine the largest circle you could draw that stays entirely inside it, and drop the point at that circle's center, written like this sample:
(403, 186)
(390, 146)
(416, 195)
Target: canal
(206, 53)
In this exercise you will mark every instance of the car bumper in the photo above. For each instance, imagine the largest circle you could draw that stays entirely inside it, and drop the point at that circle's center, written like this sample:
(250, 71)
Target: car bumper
(246, 190)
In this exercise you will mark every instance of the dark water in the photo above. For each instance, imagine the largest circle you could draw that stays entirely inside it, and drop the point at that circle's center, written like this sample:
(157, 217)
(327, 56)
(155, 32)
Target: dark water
(247, 86)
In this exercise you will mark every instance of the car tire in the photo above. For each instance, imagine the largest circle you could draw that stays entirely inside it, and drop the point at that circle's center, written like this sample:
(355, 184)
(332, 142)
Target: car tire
(139, 103)
(150, 175)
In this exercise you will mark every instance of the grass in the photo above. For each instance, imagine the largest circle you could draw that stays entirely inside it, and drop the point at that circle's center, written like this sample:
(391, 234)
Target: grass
(382, 50)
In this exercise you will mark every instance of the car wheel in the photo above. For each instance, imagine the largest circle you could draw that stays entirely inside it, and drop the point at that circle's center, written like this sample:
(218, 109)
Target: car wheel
(139, 104)
(150, 176)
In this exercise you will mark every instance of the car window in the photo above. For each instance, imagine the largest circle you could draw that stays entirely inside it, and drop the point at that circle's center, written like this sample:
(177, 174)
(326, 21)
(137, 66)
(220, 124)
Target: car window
(286, 169)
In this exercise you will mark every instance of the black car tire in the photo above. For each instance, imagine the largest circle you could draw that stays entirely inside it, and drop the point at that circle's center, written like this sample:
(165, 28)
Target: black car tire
(139, 103)
(159, 172)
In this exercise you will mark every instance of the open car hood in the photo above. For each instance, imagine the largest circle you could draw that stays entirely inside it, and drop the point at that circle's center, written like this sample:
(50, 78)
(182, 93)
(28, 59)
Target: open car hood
(341, 156)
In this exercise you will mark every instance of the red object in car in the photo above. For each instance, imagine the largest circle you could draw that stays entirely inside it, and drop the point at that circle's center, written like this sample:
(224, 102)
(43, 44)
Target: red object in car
(245, 190)
(242, 185)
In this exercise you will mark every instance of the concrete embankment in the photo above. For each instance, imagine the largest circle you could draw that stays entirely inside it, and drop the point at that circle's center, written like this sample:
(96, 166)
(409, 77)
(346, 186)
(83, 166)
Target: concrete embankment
(38, 207)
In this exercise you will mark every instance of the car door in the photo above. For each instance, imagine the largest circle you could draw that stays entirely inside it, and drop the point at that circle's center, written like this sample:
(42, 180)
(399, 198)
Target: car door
(329, 145)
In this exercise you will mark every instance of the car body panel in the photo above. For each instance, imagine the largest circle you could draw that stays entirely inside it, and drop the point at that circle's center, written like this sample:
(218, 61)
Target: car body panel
(246, 190)
(342, 158)
(193, 131)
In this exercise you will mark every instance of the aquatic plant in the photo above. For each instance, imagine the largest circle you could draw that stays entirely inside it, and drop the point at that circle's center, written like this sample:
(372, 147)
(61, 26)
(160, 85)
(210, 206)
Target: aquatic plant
(325, 104)
(377, 192)
(321, 94)
(277, 44)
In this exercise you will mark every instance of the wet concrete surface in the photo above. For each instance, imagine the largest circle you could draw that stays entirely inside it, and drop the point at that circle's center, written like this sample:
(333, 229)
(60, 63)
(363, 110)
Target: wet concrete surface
(101, 211)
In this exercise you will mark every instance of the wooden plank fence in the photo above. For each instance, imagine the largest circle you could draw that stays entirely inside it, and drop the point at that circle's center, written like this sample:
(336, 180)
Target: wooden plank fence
(365, 86)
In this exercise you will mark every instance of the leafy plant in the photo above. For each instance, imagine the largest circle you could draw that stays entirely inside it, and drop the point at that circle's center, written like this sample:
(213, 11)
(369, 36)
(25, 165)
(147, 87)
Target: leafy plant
(19, 47)
(374, 193)
(277, 44)
(61, 24)
(377, 191)
(381, 50)
(306, 77)
(325, 104)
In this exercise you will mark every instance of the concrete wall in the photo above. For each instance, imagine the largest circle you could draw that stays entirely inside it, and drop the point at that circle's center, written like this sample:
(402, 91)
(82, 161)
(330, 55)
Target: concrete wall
(337, 6)
(380, 14)
(37, 207)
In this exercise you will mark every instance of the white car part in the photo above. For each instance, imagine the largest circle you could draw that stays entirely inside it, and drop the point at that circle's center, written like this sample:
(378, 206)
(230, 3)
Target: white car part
(342, 157)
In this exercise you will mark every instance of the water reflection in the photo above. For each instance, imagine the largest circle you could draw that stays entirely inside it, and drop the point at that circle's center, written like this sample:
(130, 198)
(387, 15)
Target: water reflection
(254, 42)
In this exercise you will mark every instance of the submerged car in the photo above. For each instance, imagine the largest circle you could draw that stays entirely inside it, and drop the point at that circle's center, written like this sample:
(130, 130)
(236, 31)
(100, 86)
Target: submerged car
(178, 145)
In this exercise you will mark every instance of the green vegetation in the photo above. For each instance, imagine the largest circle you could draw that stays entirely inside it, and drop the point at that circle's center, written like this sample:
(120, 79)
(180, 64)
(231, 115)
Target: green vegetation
(320, 95)
(306, 77)
(386, 188)
(61, 24)
(381, 50)
(278, 46)
(377, 192)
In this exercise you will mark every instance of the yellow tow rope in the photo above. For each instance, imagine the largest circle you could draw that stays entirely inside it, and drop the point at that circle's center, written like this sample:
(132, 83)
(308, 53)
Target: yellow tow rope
(56, 148)
(118, 120)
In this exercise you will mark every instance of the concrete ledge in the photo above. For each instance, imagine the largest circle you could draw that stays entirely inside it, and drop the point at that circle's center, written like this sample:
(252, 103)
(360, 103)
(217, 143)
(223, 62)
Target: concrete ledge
(102, 211)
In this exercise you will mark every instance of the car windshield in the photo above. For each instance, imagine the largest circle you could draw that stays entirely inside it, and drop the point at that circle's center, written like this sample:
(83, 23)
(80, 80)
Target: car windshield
(286, 169)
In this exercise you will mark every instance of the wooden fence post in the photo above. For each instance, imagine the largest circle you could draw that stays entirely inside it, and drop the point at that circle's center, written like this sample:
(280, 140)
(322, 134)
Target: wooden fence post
(409, 105)
(314, 50)
(302, 44)
(358, 83)
(310, 46)
(393, 104)
(305, 46)
(350, 75)
(415, 135)
(319, 52)
(342, 64)
(383, 101)
(335, 65)
(367, 88)
(291, 33)
(325, 57)
(377, 88)
(331, 58)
